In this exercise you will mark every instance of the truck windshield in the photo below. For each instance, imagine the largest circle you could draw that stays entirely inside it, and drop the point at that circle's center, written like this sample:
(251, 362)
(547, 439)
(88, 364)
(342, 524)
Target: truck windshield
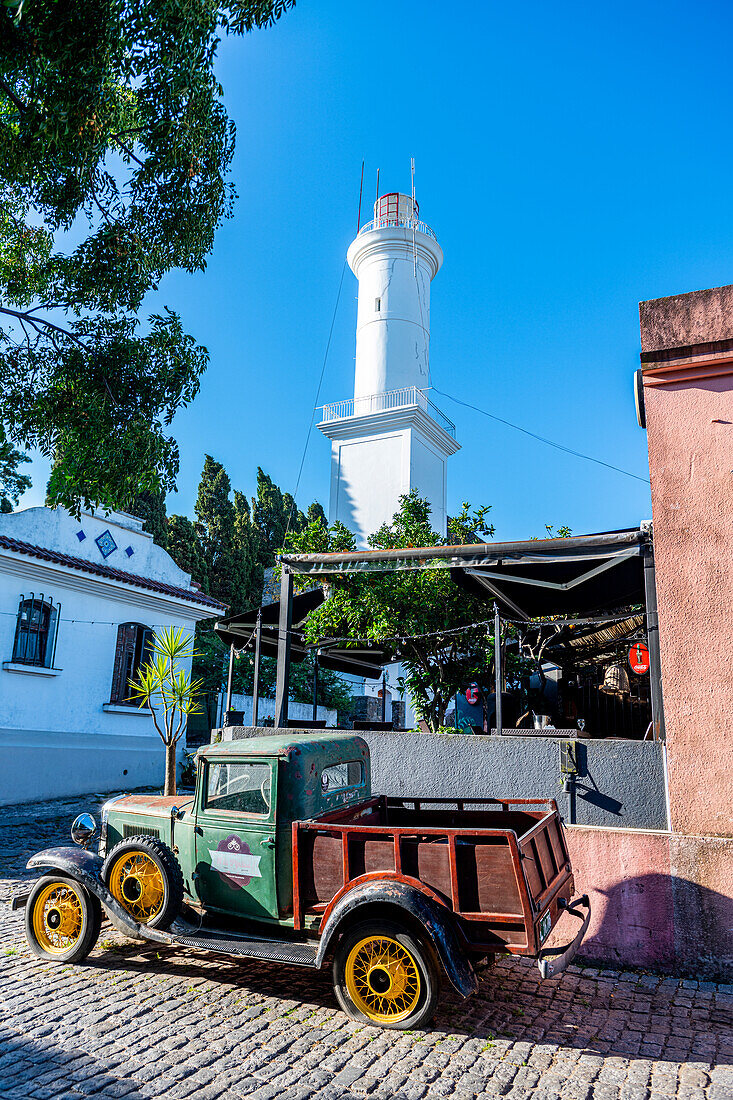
(242, 787)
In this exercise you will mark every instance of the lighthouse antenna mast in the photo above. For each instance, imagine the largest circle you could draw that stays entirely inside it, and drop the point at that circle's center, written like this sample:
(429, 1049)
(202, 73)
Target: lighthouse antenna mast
(361, 189)
(414, 246)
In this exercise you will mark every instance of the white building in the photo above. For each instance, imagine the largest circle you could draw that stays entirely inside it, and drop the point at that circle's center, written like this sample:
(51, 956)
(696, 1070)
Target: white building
(79, 600)
(390, 438)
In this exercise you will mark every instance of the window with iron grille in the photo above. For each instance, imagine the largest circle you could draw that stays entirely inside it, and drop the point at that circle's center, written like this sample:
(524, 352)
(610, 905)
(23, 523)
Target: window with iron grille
(134, 644)
(35, 631)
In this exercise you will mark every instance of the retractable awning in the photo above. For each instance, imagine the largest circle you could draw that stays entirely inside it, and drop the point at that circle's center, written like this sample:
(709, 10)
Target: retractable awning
(239, 630)
(579, 575)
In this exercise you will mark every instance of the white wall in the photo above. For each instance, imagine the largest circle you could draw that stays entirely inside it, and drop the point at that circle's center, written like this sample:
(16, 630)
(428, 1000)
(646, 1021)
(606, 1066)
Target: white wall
(56, 738)
(56, 529)
(368, 474)
(392, 341)
(266, 709)
(370, 471)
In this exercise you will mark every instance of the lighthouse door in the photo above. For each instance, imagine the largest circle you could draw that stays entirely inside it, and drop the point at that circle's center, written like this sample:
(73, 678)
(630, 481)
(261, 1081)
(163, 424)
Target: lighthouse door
(235, 838)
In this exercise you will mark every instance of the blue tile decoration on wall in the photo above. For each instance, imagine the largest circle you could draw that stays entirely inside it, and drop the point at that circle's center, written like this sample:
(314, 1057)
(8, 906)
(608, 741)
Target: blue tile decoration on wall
(106, 544)
(80, 535)
(129, 551)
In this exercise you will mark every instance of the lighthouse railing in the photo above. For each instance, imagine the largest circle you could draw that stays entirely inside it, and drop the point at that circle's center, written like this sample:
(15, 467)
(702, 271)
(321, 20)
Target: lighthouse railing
(397, 222)
(408, 396)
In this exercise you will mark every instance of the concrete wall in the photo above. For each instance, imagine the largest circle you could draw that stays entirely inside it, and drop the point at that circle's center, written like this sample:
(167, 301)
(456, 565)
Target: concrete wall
(622, 782)
(687, 359)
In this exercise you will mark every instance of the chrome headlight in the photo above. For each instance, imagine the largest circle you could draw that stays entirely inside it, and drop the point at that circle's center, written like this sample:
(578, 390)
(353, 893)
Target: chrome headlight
(83, 829)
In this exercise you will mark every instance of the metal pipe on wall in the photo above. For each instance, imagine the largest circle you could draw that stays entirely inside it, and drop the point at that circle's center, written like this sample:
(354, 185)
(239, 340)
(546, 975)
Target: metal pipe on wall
(229, 680)
(315, 688)
(256, 679)
(652, 637)
(285, 624)
(497, 667)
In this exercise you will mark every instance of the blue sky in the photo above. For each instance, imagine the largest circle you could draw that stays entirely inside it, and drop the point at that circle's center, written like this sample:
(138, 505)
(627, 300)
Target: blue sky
(573, 159)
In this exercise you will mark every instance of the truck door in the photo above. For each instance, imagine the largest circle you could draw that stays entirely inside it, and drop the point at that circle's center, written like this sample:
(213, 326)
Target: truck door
(235, 837)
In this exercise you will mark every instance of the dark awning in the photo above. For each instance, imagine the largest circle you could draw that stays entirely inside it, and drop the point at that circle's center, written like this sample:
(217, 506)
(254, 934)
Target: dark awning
(529, 579)
(238, 630)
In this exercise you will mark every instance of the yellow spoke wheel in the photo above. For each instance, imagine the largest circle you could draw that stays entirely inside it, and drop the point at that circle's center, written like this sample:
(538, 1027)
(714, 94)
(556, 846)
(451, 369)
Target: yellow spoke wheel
(136, 882)
(58, 918)
(382, 979)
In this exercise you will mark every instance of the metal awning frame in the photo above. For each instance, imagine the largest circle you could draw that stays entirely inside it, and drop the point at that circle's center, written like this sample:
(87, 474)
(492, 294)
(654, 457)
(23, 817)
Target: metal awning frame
(483, 575)
(573, 549)
(480, 561)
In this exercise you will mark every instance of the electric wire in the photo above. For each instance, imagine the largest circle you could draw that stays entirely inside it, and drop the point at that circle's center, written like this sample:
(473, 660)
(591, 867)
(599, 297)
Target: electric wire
(315, 403)
(541, 438)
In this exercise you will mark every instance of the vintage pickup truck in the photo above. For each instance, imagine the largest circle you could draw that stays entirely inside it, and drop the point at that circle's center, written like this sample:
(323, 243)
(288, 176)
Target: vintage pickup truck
(284, 854)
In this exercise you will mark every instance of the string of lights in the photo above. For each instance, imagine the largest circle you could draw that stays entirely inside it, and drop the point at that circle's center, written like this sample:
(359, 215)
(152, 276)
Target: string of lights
(92, 622)
(401, 639)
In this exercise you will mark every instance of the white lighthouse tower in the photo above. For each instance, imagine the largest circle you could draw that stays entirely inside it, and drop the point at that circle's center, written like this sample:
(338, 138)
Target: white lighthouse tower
(390, 438)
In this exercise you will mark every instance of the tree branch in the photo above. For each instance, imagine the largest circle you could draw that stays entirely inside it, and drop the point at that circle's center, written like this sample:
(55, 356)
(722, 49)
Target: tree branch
(18, 103)
(25, 315)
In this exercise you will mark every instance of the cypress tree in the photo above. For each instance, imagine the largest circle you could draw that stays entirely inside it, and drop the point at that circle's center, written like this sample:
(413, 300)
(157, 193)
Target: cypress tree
(316, 514)
(247, 542)
(185, 547)
(216, 516)
(273, 512)
(149, 506)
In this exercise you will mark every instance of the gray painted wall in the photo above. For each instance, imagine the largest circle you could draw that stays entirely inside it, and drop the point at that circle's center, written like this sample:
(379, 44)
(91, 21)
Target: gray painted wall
(621, 783)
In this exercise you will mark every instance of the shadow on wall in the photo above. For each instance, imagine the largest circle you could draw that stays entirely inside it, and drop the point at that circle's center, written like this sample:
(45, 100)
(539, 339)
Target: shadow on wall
(662, 922)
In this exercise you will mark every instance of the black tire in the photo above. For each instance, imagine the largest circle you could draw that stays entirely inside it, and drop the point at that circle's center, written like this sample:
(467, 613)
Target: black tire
(62, 919)
(126, 887)
(400, 1005)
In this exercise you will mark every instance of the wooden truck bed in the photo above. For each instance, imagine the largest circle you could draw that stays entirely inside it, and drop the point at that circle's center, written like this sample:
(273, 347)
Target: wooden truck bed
(499, 864)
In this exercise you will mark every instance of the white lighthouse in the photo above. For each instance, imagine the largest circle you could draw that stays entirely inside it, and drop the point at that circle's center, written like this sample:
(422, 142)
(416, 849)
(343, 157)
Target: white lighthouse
(390, 438)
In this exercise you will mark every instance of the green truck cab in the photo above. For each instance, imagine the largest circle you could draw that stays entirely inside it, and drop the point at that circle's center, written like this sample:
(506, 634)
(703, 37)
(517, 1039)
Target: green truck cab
(284, 854)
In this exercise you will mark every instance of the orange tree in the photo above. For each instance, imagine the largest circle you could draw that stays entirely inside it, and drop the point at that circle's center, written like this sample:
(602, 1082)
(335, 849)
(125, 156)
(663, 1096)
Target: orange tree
(415, 612)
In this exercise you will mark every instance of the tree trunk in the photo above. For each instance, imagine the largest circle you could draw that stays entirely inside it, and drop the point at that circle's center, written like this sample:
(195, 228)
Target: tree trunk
(170, 769)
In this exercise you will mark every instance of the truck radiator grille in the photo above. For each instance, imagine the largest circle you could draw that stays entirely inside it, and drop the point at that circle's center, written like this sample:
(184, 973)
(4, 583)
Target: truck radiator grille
(139, 830)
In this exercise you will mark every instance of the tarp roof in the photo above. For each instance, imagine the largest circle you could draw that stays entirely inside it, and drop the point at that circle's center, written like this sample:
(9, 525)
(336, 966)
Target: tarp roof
(579, 575)
(238, 630)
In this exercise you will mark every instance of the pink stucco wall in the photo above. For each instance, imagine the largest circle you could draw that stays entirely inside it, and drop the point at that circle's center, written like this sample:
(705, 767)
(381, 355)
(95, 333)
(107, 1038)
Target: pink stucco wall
(688, 394)
(659, 900)
(690, 433)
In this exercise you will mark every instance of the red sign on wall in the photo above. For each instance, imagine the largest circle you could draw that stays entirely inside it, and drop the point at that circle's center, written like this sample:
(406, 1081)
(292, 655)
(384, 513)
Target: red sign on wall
(473, 694)
(639, 657)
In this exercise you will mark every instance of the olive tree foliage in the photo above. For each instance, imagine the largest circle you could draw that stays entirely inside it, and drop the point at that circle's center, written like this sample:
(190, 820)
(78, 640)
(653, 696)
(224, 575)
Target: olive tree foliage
(12, 482)
(416, 612)
(115, 150)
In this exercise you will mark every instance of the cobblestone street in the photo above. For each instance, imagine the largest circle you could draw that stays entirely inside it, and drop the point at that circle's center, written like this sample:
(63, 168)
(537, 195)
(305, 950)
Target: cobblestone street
(145, 1022)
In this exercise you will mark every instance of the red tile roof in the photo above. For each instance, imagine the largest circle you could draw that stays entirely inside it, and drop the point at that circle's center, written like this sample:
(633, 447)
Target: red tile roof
(189, 594)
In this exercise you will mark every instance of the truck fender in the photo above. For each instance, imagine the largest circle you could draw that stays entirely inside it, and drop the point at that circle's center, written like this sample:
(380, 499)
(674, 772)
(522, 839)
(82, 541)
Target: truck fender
(85, 867)
(435, 919)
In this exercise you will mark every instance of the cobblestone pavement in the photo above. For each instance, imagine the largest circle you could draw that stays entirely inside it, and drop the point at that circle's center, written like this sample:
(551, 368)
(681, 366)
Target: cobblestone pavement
(139, 1022)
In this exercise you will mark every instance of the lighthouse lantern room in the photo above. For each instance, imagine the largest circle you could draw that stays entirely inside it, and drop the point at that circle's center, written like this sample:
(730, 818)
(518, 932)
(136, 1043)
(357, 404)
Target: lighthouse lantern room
(390, 438)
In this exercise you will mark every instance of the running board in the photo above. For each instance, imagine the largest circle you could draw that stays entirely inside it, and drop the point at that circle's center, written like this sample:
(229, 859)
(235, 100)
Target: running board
(232, 943)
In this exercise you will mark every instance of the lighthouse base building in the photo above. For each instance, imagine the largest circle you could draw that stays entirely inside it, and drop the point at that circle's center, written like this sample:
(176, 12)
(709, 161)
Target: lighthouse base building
(377, 456)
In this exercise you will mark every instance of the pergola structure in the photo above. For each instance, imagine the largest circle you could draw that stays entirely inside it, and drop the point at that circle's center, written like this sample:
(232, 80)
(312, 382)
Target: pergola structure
(580, 581)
